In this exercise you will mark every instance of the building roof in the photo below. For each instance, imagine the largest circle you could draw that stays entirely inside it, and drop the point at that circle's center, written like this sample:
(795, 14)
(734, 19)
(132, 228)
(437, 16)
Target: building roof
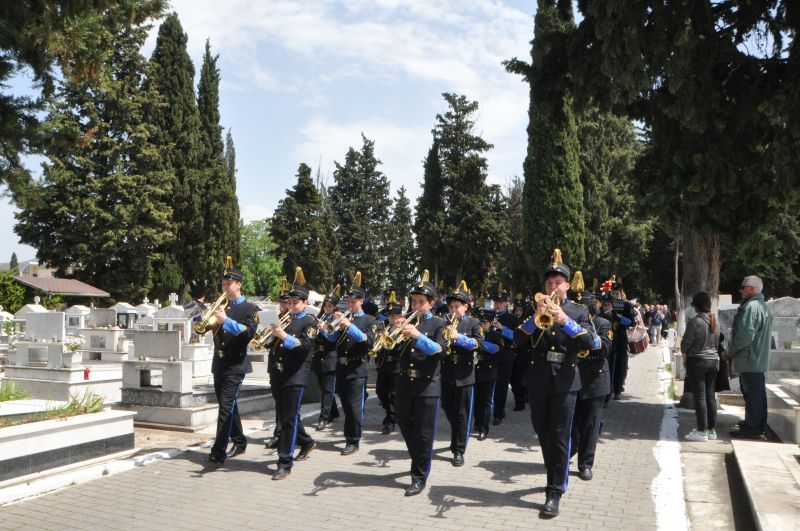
(61, 286)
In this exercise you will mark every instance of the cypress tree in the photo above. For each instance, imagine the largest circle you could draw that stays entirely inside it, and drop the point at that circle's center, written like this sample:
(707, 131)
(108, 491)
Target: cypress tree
(220, 206)
(429, 222)
(13, 265)
(230, 172)
(178, 124)
(296, 228)
(401, 255)
(104, 178)
(361, 200)
(553, 198)
(513, 268)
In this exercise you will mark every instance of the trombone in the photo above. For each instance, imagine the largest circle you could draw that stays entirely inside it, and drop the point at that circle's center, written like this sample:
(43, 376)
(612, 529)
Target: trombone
(209, 321)
(264, 336)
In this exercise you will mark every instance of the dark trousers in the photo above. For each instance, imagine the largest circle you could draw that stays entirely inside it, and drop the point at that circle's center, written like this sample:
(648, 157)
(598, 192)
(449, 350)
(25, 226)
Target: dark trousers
(416, 417)
(586, 430)
(754, 390)
(484, 402)
(551, 415)
(702, 376)
(292, 431)
(501, 389)
(457, 403)
(229, 424)
(384, 388)
(327, 385)
(620, 371)
(275, 391)
(351, 393)
(519, 370)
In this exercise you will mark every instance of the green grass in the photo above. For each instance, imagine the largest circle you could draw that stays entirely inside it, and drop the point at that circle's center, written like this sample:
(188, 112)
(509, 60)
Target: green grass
(671, 390)
(11, 391)
(668, 367)
(77, 405)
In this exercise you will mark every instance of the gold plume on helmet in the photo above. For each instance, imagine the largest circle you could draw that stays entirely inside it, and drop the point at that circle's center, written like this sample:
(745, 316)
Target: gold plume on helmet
(577, 281)
(337, 290)
(426, 277)
(284, 285)
(228, 262)
(392, 298)
(463, 287)
(299, 277)
(557, 257)
(357, 280)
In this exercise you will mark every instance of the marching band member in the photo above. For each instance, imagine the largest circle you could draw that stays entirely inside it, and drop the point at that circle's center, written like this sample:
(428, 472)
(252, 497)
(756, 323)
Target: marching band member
(388, 366)
(620, 313)
(288, 374)
(353, 341)
(418, 386)
(595, 379)
(464, 339)
(563, 330)
(283, 307)
(505, 356)
(324, 364)
(238, 319)
(486, 372)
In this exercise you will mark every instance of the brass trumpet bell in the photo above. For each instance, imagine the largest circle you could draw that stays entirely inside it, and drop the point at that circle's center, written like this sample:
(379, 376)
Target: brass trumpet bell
(209, 323)
(544, 318)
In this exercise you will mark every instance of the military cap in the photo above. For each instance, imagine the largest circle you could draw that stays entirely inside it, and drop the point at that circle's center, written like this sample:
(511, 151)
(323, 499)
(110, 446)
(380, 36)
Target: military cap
(557, 266)
(424, 287)
(461, 293)
(299, 289)
(233, 273)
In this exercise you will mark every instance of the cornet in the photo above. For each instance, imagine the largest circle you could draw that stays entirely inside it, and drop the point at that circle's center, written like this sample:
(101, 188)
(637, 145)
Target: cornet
(544, 318)
(392, 338)
(265, 336)
(451, 329)
(209, 321)
(331, 327)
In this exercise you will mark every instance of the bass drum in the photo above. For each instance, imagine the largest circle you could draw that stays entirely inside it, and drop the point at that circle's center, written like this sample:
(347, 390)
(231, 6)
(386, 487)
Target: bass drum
(638, 340)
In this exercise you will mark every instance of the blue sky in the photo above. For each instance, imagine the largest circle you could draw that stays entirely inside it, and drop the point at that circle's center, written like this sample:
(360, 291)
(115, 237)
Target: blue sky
(301, 79)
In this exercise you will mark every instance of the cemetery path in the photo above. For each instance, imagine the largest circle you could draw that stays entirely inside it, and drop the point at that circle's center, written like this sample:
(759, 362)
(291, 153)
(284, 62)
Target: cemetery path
(500, 487)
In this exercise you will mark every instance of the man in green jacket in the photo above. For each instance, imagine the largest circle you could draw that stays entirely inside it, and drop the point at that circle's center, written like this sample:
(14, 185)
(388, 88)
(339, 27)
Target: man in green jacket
(749, 348)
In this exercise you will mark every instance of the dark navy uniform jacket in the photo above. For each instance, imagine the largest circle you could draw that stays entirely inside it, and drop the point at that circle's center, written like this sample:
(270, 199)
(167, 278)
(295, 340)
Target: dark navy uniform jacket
(326, 350)
(388, 360)
(232, 338)
(554, 352)
(458, 365)
(353, 345)
(420, 360)
(486, 368)
(595, 376)
(622, 317)
(507, 346)
(290, 362)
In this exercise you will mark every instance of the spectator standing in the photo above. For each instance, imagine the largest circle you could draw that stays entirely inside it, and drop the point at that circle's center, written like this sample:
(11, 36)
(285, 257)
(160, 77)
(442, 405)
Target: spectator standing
(700, 357)
(749, 349)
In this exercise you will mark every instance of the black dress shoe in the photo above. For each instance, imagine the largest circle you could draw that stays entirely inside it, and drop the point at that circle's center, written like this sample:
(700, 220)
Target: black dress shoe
(281, 473)
(415, 488)
(322, 425)
(350, 449)
(272, 442)
(550, 508)
(482, 435)
(215, 460)
(236, 450)
(305, 450)
(585, 474)
(497, 421)
(387, 429)
(458, 459)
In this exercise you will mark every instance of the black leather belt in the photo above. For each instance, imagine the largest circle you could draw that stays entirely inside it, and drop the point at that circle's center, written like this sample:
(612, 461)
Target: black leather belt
(551, 356)
(592, 356)
(345, 360)
(483, 357)
(413, 374)
(460, 358)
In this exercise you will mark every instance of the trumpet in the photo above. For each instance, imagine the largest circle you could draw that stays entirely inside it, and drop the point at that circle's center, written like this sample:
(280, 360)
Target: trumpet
(451, 329)
(331, 326)
(209, 321)
(264, 336)
(392, 338)
(544, 318)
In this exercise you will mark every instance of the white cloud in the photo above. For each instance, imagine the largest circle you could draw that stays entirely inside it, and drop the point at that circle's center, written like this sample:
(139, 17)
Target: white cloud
(250, 212)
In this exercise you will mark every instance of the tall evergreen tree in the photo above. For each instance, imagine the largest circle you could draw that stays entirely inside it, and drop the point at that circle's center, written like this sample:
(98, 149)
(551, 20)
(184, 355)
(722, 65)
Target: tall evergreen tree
(13, 265)
(178, 124)
(401, 254)
(473, 230)
(429, 222)
(104, 179)
(230, 172)
(360, 199)
(513, 268)
(220, 207)
(296, 228)
(553, 197)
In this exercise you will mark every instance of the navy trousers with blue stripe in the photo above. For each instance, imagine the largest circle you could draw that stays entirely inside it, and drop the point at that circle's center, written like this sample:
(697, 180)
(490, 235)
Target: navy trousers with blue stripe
(416, 417)
(484, 402)
(457, 403)
(292, 432)
(351, 393)
(551, 415)
(229, 424)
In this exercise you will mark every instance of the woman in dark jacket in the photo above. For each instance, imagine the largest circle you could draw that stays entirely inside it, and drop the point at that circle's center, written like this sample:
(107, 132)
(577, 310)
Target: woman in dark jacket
(699, 349)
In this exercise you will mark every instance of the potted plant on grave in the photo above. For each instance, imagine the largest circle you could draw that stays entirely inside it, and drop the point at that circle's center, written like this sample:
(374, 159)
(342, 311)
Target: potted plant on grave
(72, 343)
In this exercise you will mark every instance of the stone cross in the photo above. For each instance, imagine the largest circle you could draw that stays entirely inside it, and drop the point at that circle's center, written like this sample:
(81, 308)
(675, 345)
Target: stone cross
(36, 299)
(173, 299)
(145, 300)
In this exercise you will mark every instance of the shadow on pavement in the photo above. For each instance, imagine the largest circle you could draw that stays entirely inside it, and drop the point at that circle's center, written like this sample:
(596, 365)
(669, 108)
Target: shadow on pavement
(446, 497)
(334, 479)
(503, 471)
(237, 464)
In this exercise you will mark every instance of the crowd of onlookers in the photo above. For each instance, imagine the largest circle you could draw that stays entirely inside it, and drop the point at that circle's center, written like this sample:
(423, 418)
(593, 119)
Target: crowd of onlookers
(656, 318)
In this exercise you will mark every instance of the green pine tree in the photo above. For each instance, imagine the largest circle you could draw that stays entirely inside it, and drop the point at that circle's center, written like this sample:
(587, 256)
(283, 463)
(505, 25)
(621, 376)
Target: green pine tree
(220, 205)
(361, 201)
(179, 129)
(230, 172)
(297, 230)
(401, 255)
(13, 265)
(102, 210)
(261, 263)
(553, 208)
(429, 222)
(513, 268)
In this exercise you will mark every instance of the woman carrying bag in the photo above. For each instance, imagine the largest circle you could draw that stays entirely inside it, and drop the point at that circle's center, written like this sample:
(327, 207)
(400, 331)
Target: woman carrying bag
(700, 356)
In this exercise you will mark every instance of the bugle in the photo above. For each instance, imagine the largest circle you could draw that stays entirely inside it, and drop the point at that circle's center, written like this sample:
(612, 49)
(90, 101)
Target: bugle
(209, 321)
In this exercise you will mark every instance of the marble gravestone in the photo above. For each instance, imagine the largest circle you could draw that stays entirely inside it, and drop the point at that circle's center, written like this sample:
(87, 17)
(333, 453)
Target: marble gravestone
(102, 318)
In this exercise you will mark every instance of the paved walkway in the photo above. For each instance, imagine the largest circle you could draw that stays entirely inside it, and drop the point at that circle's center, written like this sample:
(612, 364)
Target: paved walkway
(500, 487)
